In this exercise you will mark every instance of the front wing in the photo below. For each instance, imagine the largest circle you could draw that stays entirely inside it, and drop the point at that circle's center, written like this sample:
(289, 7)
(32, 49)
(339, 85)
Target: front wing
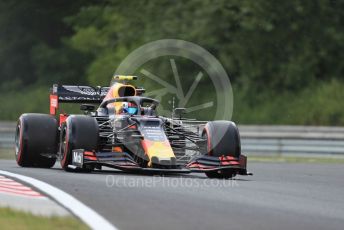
(123, 161)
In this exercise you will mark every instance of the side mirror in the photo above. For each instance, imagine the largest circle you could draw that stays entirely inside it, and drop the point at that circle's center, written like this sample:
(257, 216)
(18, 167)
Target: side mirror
(179, 112)
(87, 107)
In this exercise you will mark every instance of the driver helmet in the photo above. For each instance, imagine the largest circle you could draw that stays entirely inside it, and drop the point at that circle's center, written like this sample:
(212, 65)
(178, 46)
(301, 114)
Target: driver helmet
(129, 108)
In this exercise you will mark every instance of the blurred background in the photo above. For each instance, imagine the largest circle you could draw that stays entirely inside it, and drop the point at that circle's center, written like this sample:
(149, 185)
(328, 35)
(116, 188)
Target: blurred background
(285, 62)
(284, 58)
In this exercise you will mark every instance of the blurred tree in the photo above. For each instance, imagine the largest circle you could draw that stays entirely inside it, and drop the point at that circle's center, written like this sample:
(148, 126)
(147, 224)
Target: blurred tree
(283, 45)
(31, 32)
(270, 48)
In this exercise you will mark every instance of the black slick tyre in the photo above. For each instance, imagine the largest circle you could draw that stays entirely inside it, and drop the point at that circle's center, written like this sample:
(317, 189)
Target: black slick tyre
(36, 140)
(78, 132)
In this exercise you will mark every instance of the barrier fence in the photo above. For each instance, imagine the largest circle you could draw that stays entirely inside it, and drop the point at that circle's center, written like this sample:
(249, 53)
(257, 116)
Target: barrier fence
(295, 140)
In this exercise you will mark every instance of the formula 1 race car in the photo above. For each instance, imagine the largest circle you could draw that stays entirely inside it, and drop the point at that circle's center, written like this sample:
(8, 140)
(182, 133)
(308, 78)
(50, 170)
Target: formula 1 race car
(125, 133)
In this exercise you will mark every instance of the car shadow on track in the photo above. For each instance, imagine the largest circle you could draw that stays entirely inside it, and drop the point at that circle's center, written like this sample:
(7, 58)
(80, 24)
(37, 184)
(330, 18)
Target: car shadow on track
(166, 175)
(109, 171)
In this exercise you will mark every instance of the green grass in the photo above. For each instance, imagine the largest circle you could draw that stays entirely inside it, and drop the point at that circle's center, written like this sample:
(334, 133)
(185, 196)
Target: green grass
(295, 159)
(10, 219)
(7, 154)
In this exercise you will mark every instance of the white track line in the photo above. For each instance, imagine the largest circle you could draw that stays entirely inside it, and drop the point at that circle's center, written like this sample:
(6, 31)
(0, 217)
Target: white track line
(86, 214)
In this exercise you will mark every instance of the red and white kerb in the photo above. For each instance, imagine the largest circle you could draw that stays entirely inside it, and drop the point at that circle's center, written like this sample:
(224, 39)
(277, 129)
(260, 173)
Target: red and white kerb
(9, 186)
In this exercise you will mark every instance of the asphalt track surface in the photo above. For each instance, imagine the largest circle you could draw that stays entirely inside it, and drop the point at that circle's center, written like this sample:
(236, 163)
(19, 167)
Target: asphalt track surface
(278, 196)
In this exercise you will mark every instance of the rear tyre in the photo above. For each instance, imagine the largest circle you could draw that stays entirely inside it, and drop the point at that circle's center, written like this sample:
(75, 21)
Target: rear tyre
(36, 134)
(78, 132)
(223, 139)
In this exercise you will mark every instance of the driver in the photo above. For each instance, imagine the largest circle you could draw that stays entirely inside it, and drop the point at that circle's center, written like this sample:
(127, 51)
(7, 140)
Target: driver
(128, 108)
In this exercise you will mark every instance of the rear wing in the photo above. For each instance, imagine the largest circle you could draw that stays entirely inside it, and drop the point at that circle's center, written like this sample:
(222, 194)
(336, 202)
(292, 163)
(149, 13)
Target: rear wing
(75, 94)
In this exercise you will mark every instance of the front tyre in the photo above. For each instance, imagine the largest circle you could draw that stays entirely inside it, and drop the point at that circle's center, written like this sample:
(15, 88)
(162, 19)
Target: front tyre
(78, 132)
(223, 139)
(36, 135)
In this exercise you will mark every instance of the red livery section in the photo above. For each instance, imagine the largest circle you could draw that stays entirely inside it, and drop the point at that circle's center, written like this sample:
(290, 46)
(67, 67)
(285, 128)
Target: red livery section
(54, 105)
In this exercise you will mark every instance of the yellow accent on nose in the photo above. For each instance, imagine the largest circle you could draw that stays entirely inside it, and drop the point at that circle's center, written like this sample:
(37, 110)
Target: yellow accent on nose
(161, 150)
